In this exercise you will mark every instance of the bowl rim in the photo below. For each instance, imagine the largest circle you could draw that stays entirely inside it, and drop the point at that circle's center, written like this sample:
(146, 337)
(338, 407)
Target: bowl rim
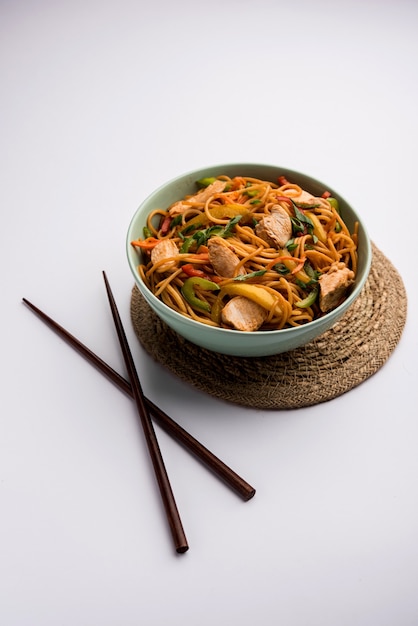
(231, 331)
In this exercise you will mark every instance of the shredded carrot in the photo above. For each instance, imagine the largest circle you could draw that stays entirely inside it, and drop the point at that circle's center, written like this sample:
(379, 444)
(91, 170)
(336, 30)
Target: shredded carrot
(190, 270)
(299, 266)
(200, 257)
(216, 279)
(146, 244)
(237, 182)
(278, 259)
(285, 199)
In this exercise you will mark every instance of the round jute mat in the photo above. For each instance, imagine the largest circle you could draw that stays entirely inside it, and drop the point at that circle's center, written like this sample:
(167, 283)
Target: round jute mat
(334, 363)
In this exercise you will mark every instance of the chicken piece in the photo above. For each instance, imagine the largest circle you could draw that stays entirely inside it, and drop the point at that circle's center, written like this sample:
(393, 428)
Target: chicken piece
(223, 259)
(305, 198)
(243, 314)
(165, 249)
(179, 207)
(333, 285)
(216, 187)
(275, 229)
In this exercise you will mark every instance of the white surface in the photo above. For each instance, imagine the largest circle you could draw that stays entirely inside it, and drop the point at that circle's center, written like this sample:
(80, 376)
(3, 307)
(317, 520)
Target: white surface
(101, 102)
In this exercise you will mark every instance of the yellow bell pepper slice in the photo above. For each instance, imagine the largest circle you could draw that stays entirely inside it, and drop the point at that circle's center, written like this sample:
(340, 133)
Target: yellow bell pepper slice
(229, 210)
(301, 274)
(319, 230)
(218, 212)
(253, 292)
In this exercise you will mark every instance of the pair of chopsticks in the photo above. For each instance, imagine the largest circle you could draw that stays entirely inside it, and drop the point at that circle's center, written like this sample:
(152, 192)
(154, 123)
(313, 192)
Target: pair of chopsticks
(146, 408)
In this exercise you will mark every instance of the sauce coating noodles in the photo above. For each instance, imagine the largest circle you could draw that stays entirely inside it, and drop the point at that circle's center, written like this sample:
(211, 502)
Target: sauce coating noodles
(279, 240)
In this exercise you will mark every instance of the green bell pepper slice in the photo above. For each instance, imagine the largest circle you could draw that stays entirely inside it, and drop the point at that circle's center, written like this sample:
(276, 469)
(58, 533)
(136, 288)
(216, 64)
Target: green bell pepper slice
(334, 203)
(205, 182)
(188, 291)
(309, 300)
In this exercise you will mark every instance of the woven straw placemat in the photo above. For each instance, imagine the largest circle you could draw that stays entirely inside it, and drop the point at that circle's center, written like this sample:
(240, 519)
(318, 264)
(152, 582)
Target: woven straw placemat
(337, 361)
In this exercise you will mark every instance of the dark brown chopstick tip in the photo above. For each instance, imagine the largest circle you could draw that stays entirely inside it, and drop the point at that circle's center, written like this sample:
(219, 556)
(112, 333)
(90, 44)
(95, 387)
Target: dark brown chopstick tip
(249, 495)
(173, 516)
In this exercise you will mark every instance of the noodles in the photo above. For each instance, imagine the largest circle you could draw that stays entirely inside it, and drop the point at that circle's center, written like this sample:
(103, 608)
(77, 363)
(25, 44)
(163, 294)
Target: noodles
(244, 241)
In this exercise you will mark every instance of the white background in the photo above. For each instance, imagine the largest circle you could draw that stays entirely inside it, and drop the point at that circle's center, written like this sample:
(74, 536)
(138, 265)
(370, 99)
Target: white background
(101, 102)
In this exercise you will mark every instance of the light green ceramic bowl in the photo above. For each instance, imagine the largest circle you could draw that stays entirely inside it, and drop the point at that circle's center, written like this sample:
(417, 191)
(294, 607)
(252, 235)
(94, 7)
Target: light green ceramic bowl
(234, 342)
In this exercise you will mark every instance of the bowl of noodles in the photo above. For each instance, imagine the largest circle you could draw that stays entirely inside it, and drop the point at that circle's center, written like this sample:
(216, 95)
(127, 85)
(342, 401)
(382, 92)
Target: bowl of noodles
(248, 259)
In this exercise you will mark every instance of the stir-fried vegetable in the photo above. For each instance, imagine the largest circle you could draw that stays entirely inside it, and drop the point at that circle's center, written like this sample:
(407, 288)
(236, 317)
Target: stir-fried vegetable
(190, 270)
(205, 182)
(188, 291)
(334, 203)
(250, 275)
(200, 237)
(253, 292)
(318, 229)
(301, 223)
(309, 300)
(293, 266)
(146, 244)
(219, 212)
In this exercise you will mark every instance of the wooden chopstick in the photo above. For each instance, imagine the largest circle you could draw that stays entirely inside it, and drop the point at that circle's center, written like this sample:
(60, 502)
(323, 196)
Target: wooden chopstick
(177, 432)
(167, 496)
